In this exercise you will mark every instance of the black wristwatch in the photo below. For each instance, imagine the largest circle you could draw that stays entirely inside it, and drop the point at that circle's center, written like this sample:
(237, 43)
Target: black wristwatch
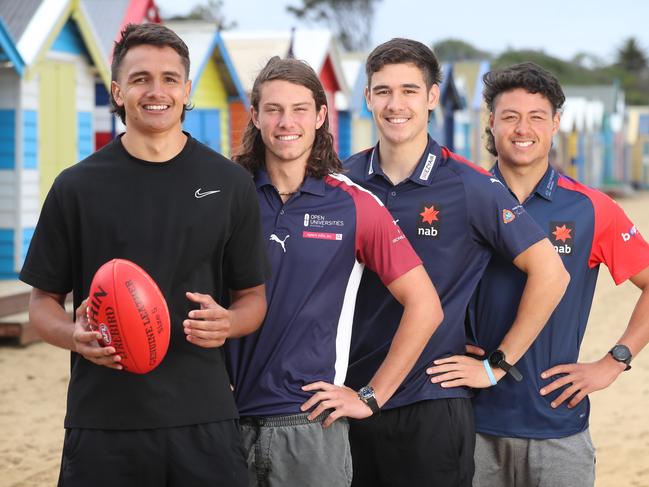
(621, 353)
(497, 359)
(366, 394)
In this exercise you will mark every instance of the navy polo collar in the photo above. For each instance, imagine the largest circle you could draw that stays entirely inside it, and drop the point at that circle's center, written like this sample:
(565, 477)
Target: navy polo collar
(423, 172)
(311, 185)
(545, 187)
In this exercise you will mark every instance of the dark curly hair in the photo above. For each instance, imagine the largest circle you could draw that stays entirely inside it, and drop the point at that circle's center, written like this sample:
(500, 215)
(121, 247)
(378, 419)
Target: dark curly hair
(145, 34)
(528, 76)
(323, 159)
(403, 51)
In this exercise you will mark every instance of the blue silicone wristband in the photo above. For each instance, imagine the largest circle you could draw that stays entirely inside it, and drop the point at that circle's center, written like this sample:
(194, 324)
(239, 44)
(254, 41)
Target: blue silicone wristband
(487, 367)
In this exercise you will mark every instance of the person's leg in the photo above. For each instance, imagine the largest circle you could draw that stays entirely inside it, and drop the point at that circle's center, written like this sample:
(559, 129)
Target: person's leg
(106, 458)
(206, 455)
(429, 443)
(562, 462)
(255, 445)
(497, 460)
(301, 452)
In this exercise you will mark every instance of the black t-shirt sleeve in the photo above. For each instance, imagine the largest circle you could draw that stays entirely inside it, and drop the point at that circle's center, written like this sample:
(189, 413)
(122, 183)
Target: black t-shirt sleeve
(47, 264)
(245, 262)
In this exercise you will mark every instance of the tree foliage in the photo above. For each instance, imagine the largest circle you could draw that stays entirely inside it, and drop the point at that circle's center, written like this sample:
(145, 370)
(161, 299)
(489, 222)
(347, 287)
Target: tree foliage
(631, 57)
(212, 11)
(630, 70)
(351, 20)
(458, 50)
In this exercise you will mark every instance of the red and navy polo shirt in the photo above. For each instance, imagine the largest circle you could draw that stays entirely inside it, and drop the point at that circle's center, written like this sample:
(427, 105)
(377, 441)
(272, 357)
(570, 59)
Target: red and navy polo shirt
(318, 243)
(455, 215)
(587, 229)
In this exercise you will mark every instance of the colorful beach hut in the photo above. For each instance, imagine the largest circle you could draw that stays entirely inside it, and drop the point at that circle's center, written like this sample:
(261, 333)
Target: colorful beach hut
(47, 104)
(215, 84)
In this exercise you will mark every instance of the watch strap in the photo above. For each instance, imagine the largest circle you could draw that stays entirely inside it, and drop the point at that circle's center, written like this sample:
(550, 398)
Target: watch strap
(497, 358)
(627, 360)
(366, 394)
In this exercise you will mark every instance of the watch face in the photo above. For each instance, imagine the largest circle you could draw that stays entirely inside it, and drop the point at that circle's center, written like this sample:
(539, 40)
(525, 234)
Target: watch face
(366, 392)
(621, 353)
(496, 357)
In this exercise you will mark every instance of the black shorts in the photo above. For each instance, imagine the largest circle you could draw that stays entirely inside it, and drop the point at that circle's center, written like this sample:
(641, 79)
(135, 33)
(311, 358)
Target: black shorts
(429, 443)
(209, 454)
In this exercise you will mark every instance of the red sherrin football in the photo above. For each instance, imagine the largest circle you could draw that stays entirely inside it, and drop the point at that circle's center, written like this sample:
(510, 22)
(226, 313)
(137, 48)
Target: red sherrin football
(126, 306)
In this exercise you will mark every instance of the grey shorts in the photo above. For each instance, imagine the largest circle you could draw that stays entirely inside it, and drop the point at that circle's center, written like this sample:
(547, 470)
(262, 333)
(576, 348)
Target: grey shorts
(518, 462)
(291, 451)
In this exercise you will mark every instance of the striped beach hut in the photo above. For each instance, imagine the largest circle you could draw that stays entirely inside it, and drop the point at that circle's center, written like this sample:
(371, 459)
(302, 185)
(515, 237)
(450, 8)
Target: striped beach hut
(47, 108)
(215, 84)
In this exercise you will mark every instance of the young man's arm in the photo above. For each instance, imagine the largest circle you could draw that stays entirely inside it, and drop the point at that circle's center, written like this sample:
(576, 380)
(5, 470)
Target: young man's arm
(421, 315)
(211, 325)
(547, 280)
(584, 378)
(47, 314)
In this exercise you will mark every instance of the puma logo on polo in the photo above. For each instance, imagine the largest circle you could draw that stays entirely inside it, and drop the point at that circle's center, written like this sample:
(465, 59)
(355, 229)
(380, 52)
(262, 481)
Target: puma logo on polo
(275, 238)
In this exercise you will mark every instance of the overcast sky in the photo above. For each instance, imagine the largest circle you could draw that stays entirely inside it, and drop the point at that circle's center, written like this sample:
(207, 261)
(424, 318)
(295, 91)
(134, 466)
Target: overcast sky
(559, 27)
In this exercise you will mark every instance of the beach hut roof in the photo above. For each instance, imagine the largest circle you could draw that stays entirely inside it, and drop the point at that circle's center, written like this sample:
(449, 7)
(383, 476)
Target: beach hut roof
(251, 50)
(205, 42)
(8, 51)
(16, 15)
(109, 17)
(450, 98)
(34, 25)
(611, 96)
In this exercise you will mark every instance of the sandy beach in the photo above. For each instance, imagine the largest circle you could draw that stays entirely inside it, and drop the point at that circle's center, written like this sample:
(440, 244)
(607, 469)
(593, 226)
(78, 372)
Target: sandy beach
(33, 383)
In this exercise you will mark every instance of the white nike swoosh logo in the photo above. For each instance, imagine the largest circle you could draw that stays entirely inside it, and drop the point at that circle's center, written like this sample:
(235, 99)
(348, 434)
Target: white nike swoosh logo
(198, 193)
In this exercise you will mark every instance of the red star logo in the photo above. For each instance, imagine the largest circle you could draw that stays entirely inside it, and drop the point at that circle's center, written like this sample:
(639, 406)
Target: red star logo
(562, 233)
(429, 215)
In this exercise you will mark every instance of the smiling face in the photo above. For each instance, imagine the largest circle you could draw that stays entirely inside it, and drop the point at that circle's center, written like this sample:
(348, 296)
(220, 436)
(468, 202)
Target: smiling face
(400, 102)
(523, 125)
(288, 120)
(152, 87)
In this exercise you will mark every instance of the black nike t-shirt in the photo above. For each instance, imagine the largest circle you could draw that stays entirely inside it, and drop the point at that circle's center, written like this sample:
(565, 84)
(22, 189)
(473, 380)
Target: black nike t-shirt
(193, 224)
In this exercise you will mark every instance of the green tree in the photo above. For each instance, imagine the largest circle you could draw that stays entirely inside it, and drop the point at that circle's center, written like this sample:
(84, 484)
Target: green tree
(458, 50)
(212, 11)
(351, 20)
(631, 57)
(568, 73)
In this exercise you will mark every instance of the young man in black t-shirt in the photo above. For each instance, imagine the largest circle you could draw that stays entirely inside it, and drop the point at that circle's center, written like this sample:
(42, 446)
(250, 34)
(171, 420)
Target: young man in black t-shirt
(190, 218)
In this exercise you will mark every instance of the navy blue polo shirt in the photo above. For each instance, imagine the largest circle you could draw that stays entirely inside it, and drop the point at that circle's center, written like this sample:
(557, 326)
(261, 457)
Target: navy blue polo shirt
(587, 228)
(318, 243)
(455, 215)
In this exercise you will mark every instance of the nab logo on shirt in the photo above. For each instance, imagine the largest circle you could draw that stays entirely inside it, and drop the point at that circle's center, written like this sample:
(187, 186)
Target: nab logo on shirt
(428, 220)
(562, 236)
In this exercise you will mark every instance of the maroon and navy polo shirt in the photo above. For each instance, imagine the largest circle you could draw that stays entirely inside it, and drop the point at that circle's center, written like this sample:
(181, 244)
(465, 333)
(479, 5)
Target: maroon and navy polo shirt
(318, 243)
(456, 216)
(587, 229)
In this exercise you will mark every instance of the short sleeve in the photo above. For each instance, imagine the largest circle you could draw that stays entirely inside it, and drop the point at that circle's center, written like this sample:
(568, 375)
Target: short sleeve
(380, 243)
(497, 219)
(617, 242)
(245, 260)
(47, 265)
